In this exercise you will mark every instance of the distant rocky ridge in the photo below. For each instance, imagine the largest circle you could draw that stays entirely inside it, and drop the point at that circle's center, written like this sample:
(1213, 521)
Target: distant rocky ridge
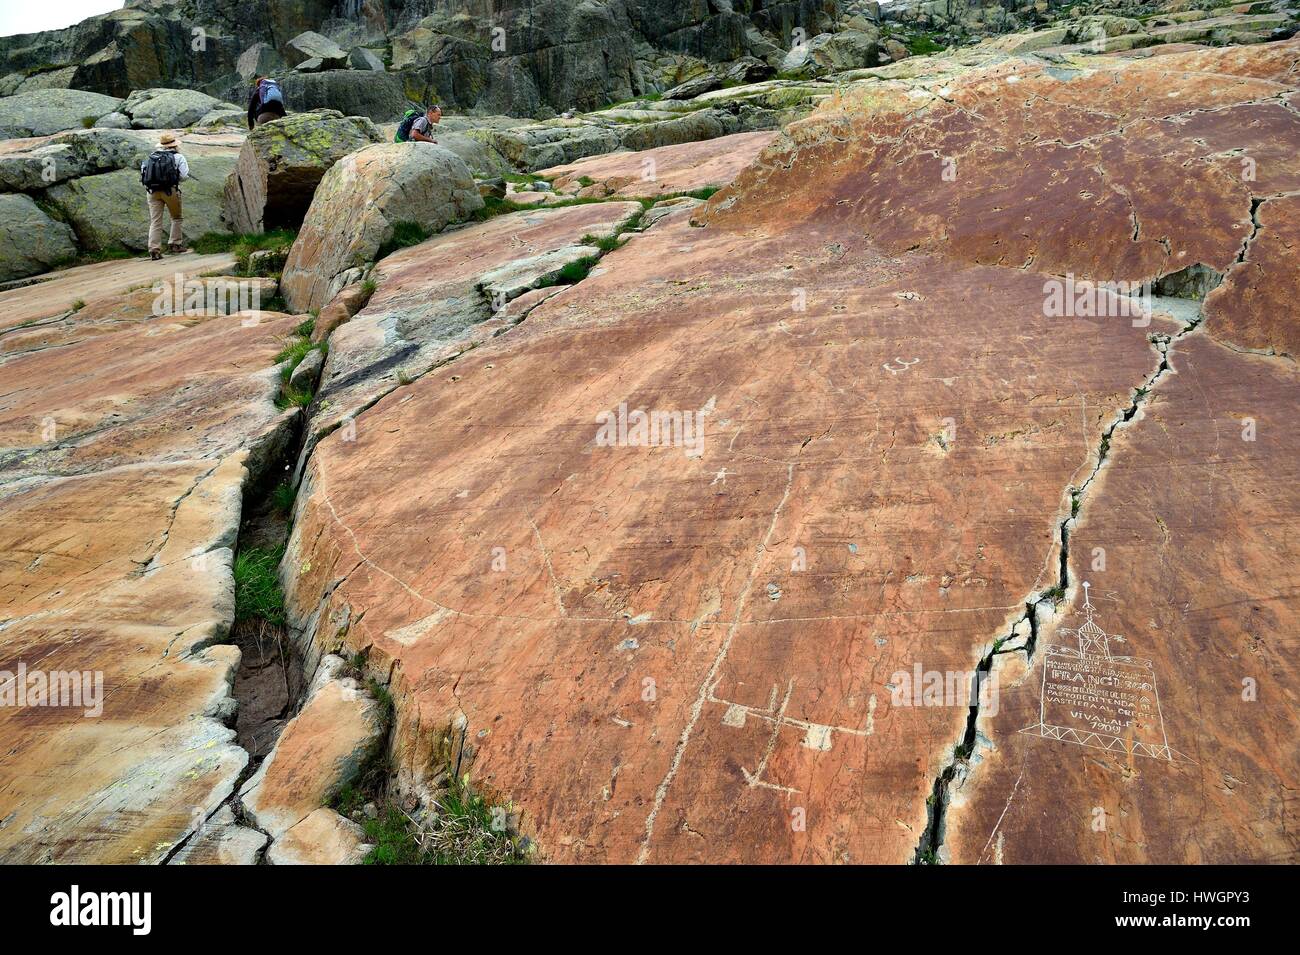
(536, 57)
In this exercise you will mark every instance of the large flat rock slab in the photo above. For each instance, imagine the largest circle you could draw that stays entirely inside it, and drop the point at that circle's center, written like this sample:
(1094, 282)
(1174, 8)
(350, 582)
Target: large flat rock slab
(437, 299)
(1197, 528)
(623, 564)
(117, 580)
(56, 294)
(685, 644)
(125, 458)
(666, 169)
(173, 388)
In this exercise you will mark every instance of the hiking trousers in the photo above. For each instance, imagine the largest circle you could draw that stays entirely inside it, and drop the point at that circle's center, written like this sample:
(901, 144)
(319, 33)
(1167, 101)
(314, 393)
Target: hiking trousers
(171, 201)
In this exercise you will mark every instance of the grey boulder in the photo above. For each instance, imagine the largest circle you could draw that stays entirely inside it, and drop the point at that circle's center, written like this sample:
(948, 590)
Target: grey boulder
(42, 112)
(30, 241)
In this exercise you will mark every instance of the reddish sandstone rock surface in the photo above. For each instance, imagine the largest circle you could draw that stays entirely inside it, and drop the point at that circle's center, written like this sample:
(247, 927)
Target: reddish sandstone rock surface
(663, 655)
(1198, 529)
(437, 299)
(55, 294)
(125, 452)
(320, 750)
(666, 169)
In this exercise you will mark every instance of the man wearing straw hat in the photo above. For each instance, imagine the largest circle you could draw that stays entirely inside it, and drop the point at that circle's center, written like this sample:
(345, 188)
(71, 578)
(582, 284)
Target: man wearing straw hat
(161, 174)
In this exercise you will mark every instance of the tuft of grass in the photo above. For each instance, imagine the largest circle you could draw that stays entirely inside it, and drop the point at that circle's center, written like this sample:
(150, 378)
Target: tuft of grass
(79, 304)
(403, 378)
(404, 234)
(243, 246)
(304, 329)
(606, 243)
(291, 354)
(493, 207)
(282, 498)
(466, 830)
(923, 46)
(291, 397)
(112, 253)
(40, 68)
(380, 693)
(1055, 595)
(212, 242)
(257, 586)
(585, 181)
(88, 122)
(572, 273)
(368, 288)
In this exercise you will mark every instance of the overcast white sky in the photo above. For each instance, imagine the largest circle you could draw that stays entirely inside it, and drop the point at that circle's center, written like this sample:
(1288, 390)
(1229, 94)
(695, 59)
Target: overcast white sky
(31, 16)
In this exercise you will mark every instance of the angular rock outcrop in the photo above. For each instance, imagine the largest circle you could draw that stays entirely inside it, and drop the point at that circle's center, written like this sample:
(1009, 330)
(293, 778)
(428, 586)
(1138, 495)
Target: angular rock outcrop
(834, 53)
(323, 838)
(168, 108)
(69, 156)
(359, 202)
(381, 97)
(321, 749)
(310, 46)
(282, 162)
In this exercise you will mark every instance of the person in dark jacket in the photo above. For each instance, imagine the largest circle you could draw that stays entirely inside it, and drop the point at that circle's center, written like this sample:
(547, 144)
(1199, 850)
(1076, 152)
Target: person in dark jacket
(265, 102)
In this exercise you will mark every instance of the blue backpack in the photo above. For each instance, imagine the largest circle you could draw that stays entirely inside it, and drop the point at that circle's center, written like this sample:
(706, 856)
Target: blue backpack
(268, 91)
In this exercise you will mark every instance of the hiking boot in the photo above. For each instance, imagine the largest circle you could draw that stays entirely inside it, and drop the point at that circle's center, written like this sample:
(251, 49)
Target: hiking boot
(176, 249)
(155, 254)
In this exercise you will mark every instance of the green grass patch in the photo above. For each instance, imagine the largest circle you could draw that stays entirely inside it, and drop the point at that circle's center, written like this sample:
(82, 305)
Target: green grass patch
(466, 830)
(291, 397)
(88, 122)
(606, 243)
(493, 207)
(923, 46)
(257, 586)
(243, 246)
(112, 253)
(40, 68)
(292, 353)
(404, 234)
(572, 273)
(283, 496)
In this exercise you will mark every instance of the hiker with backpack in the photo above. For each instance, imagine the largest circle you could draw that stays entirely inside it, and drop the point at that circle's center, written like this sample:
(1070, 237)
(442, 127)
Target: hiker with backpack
(265, 102)
(161, 174)
(417, 128)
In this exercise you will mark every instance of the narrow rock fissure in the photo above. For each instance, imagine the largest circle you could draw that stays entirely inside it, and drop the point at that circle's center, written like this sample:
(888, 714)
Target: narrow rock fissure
(277, 658)
(1181, 294)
